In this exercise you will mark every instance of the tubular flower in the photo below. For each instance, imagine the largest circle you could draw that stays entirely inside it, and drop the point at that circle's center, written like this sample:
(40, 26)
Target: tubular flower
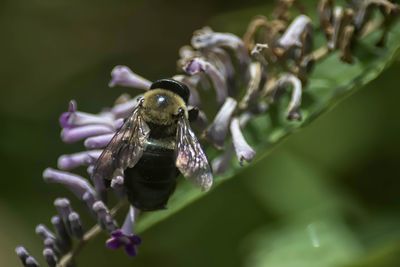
(248, 76)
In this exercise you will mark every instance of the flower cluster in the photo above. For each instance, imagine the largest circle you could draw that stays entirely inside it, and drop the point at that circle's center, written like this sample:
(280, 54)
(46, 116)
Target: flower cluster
(95, 130)
(248, 75)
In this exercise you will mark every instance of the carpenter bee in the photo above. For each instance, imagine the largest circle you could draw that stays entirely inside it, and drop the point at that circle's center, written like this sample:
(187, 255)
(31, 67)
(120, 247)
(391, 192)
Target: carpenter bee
(154, 145)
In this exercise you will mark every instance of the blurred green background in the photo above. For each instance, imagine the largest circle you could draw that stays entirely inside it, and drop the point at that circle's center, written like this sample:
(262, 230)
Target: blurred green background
(328, 196)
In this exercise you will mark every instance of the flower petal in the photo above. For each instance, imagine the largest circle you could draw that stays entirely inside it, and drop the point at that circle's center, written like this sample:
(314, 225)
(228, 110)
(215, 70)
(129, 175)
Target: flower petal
(113, 243)
(124, 76)
(218, 130)
(197, 65)
(77, 184)
(130, 249)
(68, 162)
(76, 225)
(105, 219)
(50, 257)
(75, 134)
(244, 151)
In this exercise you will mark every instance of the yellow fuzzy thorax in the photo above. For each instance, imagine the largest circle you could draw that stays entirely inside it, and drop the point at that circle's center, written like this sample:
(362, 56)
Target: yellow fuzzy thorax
(166, 113)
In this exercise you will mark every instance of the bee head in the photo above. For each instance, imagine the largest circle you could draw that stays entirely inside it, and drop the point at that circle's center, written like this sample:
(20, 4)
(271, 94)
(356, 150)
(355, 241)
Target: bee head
(164, 101)
(173, 86)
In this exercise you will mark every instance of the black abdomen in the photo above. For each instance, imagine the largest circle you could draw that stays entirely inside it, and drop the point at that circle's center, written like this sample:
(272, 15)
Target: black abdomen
(153, 179)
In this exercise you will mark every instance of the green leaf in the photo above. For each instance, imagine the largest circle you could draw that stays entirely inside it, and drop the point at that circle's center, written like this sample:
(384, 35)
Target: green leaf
(385, 256)
(381, 236)
(331, 81)
(319, 243)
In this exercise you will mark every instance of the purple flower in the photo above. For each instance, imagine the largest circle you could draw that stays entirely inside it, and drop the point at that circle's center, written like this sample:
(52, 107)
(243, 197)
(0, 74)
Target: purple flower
(125, 237)
(244, 152)
(206, 38)
(65, 117)
(124, 76)
(77, 184)
(247, 77)
(26, 258)
(96, 130)
(128, 241)
(197, 65)
(218, 129)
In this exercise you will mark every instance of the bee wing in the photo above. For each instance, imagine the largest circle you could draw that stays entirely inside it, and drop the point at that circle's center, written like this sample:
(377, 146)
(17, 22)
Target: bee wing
(191, 159)
(125, 148)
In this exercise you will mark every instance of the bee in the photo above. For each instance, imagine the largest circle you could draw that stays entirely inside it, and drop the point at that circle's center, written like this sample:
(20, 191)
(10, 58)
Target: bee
(154, 145)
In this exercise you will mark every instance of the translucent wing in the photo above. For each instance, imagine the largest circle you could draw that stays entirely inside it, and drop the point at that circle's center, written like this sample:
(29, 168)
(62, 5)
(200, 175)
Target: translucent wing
(125, 148)
(191, 159)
